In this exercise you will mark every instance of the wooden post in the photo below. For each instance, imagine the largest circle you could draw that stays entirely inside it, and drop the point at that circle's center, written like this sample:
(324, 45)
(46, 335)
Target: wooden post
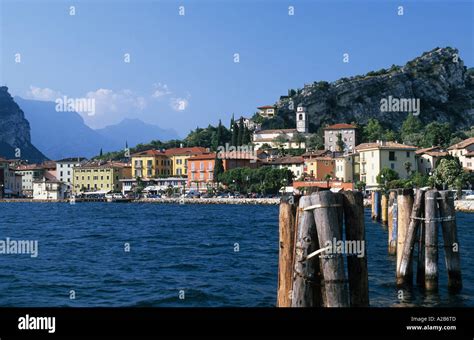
(450, 240)
(420, 271)
(355, 233)
(332, 264)
(406, 260)
(384, 207)
(431, 240)
(392, 223)
(377, 205)
(404, 206)
(306, 277)
(286, 253)
(372, 204)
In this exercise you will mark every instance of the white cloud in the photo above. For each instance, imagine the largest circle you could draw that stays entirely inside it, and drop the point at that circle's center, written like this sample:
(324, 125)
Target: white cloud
(179, 104)
(44, 94)
(160, 90)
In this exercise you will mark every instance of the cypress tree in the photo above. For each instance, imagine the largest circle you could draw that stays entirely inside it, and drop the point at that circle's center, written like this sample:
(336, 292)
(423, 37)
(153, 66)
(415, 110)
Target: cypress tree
(240, 135)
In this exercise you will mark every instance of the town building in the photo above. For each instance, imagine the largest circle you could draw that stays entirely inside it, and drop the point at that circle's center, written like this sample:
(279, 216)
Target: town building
(320, 168)
(49, 188)
(348, 134)
(64, 168)
(151, 164)
(427, 158)
(344, 167)
(154, 185)
(100, 176)
(293, 163)
(267, 111)
(268, 137)
(29, 173)
(465, 152)
(179, 159)
(383, 154)
(10, 181)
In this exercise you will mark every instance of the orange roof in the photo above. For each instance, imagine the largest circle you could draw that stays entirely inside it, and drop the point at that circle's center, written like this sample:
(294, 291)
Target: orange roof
(384, 145)
(425, 150)
(266, 107)
(287, 160)
(204, 156)
(148, 153)
(196, 150)
(461, 145)
(340, 126)
(275, 131)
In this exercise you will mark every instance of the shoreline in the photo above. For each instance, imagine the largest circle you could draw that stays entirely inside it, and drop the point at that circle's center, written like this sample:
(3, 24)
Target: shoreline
(466, 206)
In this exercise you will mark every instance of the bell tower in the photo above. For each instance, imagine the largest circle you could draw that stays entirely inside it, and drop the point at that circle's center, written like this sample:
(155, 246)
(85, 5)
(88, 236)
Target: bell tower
(301, 121)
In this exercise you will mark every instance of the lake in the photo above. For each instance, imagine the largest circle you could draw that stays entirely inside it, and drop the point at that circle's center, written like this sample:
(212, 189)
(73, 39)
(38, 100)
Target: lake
(159, 255)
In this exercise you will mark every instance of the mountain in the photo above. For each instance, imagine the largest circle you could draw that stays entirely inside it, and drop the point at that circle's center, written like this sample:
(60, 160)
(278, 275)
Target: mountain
(439, 79)
(15, 131)
(62, 134)
(135, 131)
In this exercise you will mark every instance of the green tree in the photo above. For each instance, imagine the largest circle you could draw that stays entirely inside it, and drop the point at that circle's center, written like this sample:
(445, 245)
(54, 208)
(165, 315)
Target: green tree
(385, 176)
(280, 141)
(298, 138)
(360, 185)
(437, 134)
(240, 134)
(372, 131)
(218, 168)
(246, 139)
(410, 125)
(235, 132)
(101, 153)
(407, 165)
(390, 135)
(447, 172)
(340, 143)
(314, 142)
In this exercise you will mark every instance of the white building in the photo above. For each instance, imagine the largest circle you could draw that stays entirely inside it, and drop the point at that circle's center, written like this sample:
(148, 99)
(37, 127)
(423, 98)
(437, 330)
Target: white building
(344, 167)
(348, 135)
(427, 158)
(29, 173)
(64, 169)
(49, 188)
(267, 111)
(268, 136)
(465, 152)
(294, 164)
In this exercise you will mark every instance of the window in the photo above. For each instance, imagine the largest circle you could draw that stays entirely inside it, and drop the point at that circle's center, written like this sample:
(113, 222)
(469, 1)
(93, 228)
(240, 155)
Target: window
(300, 117)
(330, 139)
(372, 154)
(408, 154)
(391, 156)
(61, 174)
(392, 166)
(192, 166)
(201, 165)
(210, 166)
(201, 175)
(421, 160)
(210, 175)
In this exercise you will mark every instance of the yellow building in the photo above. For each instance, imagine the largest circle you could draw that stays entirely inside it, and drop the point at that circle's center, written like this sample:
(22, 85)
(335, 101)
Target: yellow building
(151, 164)
(97, 176)
(374, 157)
(179, 159)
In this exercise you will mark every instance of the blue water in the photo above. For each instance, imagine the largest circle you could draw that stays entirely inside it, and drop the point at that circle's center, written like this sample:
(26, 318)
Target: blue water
(176, 249)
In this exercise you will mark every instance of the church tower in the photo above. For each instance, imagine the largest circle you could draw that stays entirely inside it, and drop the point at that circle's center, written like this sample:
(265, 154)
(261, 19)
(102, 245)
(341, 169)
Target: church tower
(301, 121)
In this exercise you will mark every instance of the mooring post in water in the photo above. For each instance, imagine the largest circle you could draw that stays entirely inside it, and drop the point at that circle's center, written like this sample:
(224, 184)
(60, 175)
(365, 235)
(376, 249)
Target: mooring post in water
(406, 260)
(377, 205)
(372, 204)
(392, 223)
(355, 234)
(384, 208)
(286, 251)
(404, 206)
(306, 277)
(450, 240)
(325, 211)
(431, 240)
(420, 270)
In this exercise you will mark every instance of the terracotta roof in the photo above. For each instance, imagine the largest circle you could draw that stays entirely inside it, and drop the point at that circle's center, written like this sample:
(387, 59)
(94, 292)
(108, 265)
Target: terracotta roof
(340, 126)
(315, 153)
(71, 160)
(96, 164)
(266, 107)
(425, 150)
(29, 167)
(384, 145)
(324, 159)
(204, 156)
(275, 131)
(287, 160)
(196, 150)
(436, 153)
(148, 153)
(470, 154)
(461, 145)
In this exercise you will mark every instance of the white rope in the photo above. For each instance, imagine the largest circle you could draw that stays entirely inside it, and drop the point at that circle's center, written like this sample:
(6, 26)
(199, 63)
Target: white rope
(314, 253)
(437, 219)
(318, 206)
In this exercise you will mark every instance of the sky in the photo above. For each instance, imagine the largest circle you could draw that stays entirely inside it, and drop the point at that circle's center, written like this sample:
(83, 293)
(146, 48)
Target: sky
(221, 57)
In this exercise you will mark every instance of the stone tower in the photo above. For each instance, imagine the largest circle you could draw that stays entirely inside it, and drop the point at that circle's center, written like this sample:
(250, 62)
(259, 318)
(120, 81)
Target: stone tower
(301, 119)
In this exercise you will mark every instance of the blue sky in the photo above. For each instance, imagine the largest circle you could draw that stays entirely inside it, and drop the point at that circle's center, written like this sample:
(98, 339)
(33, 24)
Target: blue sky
(190, 59)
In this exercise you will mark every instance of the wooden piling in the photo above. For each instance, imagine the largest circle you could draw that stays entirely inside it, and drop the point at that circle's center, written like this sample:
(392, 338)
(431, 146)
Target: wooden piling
(392, 223)
(306, 277)
(420, 271)
(406, 260)
(450, 240)
(404, 206)
(372, 204)
(377, 205)
(384, 208)
(332, 265)
(286, 251)
(355, 231)
(431, 240)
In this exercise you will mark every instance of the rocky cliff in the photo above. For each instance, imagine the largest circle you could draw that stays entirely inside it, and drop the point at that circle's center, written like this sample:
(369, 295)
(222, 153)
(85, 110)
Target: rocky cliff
(439, 79)
(15, 131)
